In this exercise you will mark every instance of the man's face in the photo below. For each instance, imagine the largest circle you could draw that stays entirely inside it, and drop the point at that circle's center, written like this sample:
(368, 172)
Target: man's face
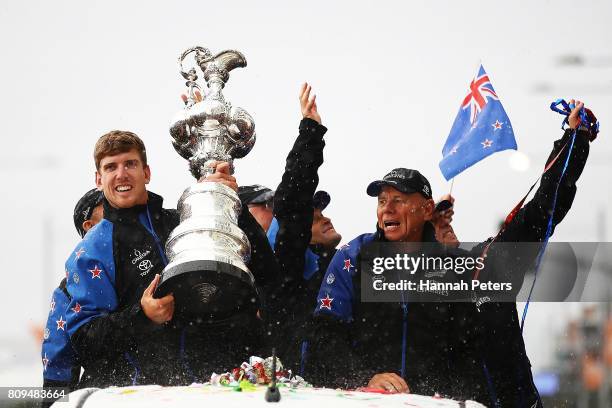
(323, 232)
(262, 213)
(123, 178)
(402, 216)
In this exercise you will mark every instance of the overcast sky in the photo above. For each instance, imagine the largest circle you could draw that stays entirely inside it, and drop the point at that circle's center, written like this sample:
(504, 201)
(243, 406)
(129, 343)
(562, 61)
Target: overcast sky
(389, 78)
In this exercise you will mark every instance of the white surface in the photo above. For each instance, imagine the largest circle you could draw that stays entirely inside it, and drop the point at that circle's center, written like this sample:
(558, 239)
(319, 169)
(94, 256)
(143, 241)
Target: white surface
(153, 396)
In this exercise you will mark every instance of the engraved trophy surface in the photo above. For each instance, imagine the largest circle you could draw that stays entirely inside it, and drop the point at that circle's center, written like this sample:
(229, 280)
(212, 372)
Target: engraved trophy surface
(207, 252)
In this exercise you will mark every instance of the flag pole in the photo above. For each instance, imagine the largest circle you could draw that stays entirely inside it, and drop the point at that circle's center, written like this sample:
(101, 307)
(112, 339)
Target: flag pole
(451, 187)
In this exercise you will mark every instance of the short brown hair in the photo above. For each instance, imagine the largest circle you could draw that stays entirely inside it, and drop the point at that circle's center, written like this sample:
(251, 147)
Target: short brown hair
(118, 141)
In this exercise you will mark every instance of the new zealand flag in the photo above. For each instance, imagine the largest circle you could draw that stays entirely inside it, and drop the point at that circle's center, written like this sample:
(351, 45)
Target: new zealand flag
(481, 128)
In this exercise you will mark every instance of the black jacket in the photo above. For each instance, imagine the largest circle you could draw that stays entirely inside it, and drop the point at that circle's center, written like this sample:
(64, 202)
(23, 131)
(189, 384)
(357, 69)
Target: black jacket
(452, 348)
(292, 302)
(220, 346)
(116, 343)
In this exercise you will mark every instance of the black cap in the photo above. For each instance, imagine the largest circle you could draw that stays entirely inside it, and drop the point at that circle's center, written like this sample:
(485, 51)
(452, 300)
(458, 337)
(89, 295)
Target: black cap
(255, 194)
(321, 199)
(84, 208)
(405, 180)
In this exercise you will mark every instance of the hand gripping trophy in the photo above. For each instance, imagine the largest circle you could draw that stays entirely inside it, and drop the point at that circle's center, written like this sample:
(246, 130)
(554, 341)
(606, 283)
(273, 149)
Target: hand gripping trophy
(207, 252)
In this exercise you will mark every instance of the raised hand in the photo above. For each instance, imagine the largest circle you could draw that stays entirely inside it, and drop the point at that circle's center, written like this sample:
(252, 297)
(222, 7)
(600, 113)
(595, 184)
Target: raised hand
(574, 117)
(309, 104)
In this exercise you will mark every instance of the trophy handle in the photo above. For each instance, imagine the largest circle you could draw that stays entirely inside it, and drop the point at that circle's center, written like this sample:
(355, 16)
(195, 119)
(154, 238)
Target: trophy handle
(191, 75)
(219, 66)
(201, 52)
(228, 60)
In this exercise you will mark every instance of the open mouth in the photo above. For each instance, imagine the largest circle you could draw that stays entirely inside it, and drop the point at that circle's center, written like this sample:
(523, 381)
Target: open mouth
(123, 188)
(391, 225)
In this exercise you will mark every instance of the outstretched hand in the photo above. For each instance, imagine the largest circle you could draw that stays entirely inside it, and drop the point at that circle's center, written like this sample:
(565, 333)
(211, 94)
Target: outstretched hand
(583, 118)
(309, 104)
(574, 117)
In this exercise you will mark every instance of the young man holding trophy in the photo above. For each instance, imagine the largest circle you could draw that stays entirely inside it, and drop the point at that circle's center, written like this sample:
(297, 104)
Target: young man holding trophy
(128, 324)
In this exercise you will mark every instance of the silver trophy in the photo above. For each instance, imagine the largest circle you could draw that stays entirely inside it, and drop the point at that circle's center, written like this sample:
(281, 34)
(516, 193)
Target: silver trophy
(207, 253)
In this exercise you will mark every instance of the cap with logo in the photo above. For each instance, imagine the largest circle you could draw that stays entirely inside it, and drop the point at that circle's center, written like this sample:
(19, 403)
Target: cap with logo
(404, 180)
(84, 208)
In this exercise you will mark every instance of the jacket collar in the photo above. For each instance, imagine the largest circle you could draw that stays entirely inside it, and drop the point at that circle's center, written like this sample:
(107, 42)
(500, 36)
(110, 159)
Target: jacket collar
(154, 203)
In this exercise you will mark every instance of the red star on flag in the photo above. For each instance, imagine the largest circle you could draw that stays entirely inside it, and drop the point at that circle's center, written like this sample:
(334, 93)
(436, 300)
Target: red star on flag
(78, 253)
(61, 323)
(52, 308)
(497, 125)
(95, 272)
(45, 361)
(486, 143)
(326, 302)
(76, 308)
(348, 265)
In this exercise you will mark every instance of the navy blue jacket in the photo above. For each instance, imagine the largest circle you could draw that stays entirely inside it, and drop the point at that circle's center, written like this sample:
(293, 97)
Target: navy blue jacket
(60, 365)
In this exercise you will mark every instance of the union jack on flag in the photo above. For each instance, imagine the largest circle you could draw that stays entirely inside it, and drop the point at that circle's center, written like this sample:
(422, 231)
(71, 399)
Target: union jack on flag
(480, 90)
(481, 128)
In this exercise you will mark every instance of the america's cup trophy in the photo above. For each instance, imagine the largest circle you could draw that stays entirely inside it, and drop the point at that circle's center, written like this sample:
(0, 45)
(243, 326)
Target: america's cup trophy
(207, 252)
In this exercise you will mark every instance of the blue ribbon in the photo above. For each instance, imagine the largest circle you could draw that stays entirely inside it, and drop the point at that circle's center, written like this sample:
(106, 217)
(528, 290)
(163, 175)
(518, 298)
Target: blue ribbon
(565, 111)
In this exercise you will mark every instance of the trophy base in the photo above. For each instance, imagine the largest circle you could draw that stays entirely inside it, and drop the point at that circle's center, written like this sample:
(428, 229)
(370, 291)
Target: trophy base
(207, 290)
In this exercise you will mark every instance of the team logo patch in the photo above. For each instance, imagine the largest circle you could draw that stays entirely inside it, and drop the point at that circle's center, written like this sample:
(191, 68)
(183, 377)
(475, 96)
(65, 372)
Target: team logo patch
(326, 302)
(330, 278)
(46, 333)
(75, 278)
(395, 174)
(78, 253)
(95, 272)
(144, 265)
(139, 256)
(61, 324)
(76, 308)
